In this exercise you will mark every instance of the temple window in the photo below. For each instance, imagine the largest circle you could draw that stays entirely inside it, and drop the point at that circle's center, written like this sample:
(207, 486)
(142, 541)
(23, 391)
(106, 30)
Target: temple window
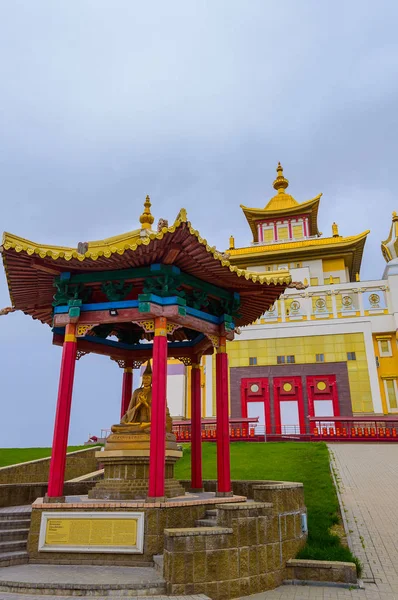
(280, 360)
(298, 231)
(252, 361)
(268, 234)
(283, 232)
(390, 387)
(351, 356)
(290, 359)
(313, 280)
(320, 358)
(384, 347)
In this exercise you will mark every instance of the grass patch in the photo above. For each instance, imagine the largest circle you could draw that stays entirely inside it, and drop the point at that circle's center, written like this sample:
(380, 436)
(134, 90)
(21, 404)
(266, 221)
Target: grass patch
(13, 456)
(288, 461)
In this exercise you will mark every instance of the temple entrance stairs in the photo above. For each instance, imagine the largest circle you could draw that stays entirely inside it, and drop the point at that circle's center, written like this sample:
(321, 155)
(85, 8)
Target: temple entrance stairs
(14, 530)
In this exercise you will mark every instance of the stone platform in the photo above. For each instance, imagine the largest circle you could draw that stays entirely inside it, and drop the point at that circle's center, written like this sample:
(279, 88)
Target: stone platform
(181, 511)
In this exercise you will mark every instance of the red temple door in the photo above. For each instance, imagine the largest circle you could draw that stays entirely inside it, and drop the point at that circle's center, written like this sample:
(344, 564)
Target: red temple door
(255, 403)
(289, 406)
(323, 398)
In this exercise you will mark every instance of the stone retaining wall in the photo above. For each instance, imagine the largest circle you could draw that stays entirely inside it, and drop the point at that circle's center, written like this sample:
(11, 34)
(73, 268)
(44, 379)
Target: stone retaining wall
(321, 570)
(77, 463)
(157, 517)
(246, 553)
(18, 494)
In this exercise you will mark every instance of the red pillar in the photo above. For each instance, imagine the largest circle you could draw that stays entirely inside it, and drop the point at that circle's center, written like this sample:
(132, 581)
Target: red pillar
(158, 412)
(196, 429)
(62, 416)
(127, 390)
(224, 487)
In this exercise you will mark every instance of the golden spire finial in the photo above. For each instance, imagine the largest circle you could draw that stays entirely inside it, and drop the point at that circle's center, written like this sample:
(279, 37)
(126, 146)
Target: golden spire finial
(394, 216)
(335, 230)
(280, 183)
(231, 242)
(147, 219)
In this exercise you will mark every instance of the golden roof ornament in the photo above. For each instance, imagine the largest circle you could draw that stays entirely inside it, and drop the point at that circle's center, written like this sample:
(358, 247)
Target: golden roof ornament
(280, 183)
(147, 219)
(231, 242)
(389, 247)
(335, 230)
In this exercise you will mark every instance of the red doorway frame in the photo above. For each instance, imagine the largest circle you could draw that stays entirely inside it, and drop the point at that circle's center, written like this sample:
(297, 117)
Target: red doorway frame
(262, 395)
(296, 395)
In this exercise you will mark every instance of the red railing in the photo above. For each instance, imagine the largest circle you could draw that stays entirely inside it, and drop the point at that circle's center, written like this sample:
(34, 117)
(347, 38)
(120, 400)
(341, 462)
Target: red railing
(239, 429)
(354, 429)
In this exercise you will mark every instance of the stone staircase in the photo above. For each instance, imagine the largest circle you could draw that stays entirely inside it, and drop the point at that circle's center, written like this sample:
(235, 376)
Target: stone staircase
(14, 530)
(209, 520)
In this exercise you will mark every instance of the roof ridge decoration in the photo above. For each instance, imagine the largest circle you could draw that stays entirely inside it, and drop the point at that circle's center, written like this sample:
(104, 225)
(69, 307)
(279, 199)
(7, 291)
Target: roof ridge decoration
(122, 243)
(147, 218)
(281, 200)
(389, 247)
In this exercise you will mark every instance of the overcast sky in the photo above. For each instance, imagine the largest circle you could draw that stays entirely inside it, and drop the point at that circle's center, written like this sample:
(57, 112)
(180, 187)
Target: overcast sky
(193, 102)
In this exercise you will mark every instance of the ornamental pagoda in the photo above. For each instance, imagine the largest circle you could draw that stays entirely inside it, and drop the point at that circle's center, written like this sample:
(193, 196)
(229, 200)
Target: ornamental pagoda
(143, 295)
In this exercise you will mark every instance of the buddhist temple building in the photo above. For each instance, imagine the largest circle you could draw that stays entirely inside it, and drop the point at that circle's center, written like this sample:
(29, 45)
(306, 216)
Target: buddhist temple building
(315, 341)
(327, 349)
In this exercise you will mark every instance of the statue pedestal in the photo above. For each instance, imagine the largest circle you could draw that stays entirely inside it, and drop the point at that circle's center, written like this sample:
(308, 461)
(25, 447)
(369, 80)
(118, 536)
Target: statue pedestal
(126, 465)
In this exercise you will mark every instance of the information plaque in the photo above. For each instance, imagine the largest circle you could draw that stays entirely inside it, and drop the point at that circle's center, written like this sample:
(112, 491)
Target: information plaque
(121, 532)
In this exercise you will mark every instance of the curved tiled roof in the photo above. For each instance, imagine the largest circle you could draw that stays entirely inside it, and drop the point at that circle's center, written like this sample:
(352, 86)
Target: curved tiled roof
(31, 267)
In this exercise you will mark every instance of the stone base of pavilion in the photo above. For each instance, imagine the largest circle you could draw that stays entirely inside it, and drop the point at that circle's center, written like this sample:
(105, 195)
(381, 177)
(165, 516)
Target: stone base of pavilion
(134, 482)
(222, 547)
(183, 511)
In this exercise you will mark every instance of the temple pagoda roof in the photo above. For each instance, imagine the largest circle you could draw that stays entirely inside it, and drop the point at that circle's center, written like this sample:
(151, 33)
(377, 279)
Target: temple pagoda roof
(283, 205)
(31, 267)
(350, 247)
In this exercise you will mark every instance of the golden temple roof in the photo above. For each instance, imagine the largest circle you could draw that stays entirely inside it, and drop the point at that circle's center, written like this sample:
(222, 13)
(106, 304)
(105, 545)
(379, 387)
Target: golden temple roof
(283, 205)
(350, 246)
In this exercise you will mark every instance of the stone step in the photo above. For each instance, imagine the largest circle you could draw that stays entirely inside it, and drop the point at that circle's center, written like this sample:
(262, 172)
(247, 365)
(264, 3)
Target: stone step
(15, 516)
(8, 559)
(206, 523)
(12, 546)
(14, 523)
(13, 534)
(211, 513)
(55, 590)
(55, 581)
(158, 563)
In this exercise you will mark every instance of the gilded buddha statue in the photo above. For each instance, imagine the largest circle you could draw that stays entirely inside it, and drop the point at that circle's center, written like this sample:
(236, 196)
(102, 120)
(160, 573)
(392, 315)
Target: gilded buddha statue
(139, 410)
(126, 455)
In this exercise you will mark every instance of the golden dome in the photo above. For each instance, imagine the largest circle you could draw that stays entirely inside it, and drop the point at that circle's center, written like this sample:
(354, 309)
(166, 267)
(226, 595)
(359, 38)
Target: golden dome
(147, 219)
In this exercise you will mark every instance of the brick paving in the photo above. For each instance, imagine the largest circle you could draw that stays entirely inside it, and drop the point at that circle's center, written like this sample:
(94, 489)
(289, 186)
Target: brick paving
(367, 477)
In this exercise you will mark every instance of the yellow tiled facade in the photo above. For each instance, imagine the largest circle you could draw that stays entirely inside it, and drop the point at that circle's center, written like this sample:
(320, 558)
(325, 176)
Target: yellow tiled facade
(304, 349)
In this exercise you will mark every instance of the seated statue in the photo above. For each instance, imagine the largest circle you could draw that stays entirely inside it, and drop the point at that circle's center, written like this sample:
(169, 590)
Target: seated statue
(139, 410)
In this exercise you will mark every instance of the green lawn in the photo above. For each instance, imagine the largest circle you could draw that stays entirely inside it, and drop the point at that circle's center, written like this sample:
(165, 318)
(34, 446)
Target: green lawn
(12, 456)
(289, 461)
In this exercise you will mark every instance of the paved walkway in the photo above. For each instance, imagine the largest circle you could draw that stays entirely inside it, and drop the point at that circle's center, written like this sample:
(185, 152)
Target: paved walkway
(367, 476)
